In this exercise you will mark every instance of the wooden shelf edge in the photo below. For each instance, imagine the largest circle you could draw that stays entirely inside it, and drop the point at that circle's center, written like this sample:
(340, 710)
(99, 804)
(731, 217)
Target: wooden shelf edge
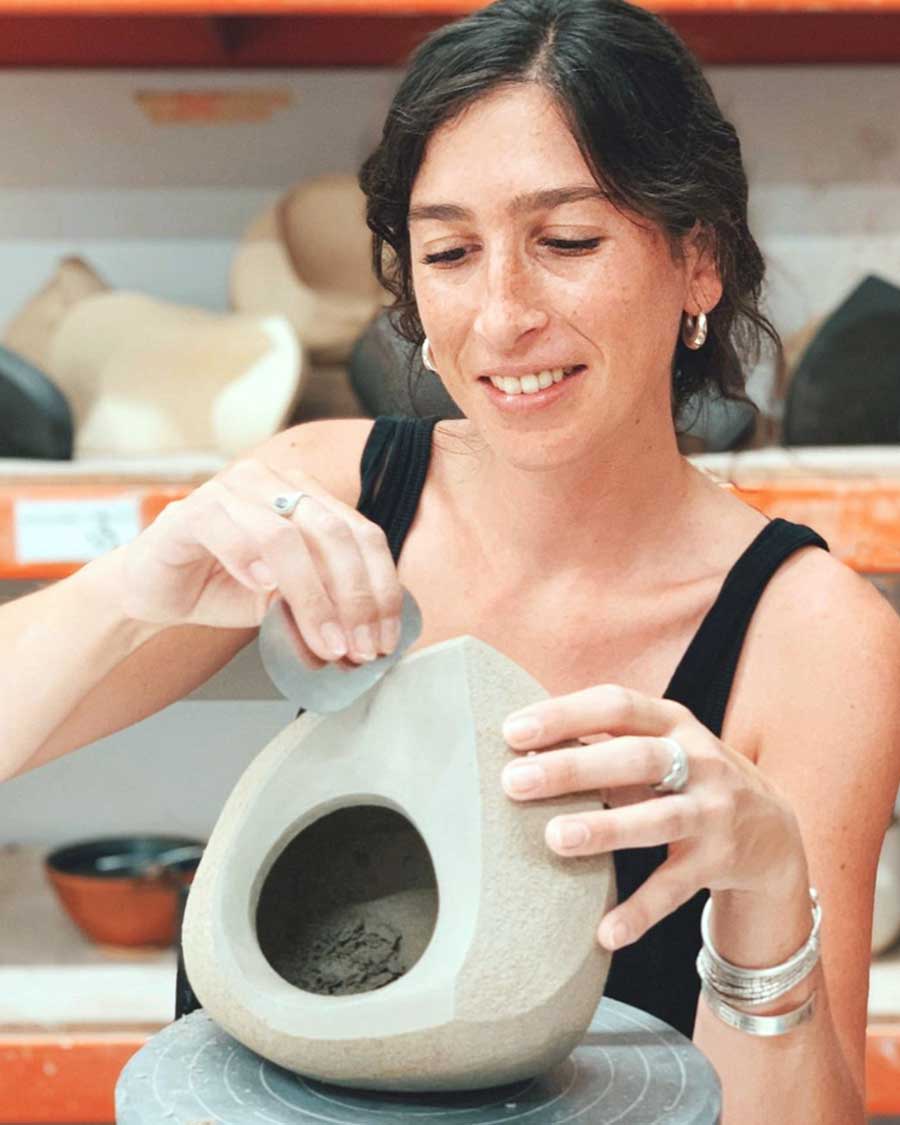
(445, 9)
(68, 1079)
(62, 1078)
(218, 36)
(883, 1068)
(858, 517)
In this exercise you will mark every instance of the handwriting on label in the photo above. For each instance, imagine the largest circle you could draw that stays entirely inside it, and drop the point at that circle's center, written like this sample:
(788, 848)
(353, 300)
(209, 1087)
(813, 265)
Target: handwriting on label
(73, 530)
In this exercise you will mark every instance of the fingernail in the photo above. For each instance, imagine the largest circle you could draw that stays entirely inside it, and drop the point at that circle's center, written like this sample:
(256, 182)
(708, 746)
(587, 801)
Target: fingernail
(390, 634)
(335, 641)
(261, 574)
(364, 642)
(521, 730)
(569, 834)
(618, 936)
(522, 776)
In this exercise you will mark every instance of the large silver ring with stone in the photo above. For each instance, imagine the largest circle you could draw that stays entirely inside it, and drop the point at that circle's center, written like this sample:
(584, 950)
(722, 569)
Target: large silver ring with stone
(677, 777)
(286, 503)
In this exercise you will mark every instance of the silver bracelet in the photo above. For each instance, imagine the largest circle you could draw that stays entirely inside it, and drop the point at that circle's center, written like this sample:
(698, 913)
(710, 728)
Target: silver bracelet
(754, 987)
(759, 1025)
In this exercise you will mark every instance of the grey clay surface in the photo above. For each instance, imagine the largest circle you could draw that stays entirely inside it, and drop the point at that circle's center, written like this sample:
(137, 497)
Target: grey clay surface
(510, 977)
(630, 1069)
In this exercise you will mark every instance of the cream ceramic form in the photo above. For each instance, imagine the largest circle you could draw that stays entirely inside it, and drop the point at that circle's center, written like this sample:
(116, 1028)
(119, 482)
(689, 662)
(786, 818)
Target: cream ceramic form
(886, 915)
(308, 259)
(30, 333)
(146, 377)
(498, 970)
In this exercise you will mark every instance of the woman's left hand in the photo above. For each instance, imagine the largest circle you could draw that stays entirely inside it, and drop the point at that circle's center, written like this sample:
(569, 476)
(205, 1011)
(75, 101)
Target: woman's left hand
(729, 829)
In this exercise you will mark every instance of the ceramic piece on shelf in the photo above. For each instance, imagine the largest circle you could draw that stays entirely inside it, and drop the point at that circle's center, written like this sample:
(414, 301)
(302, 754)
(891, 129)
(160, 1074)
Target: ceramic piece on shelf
(308, 258)
(32, 329)
(147, 377)
(35, 419)
(328, 393)
(389, 378)
(886, 918)
(845, 389)
(716, 424)
(312, 932)
(132, 905)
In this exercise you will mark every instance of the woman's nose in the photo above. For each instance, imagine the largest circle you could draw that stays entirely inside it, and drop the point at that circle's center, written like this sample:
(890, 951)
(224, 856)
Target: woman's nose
(508, 306)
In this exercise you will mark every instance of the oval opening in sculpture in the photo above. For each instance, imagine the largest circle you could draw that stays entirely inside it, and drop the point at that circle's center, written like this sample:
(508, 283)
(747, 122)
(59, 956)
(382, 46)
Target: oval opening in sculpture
(351, 903)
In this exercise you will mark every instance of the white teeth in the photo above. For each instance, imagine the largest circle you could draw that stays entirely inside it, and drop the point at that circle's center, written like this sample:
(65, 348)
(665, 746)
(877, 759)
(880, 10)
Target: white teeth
(530, 384)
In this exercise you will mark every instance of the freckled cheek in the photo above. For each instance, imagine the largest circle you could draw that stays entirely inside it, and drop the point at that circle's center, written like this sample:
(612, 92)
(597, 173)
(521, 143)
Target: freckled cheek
(447, 318)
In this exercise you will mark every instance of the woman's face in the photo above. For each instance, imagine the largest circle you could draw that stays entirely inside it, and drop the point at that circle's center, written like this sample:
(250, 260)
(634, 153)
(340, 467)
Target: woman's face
(521, 266)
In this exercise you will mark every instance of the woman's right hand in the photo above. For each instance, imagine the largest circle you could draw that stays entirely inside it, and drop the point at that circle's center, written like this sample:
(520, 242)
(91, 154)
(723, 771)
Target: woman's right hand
(223, 554)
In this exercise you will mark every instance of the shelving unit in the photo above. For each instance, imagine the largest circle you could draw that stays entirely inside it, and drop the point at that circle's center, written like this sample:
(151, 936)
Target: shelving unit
(852, 497)
(267, 33)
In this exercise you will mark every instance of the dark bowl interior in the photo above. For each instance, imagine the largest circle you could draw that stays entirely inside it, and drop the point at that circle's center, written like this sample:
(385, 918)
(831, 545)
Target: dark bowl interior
(80, 858)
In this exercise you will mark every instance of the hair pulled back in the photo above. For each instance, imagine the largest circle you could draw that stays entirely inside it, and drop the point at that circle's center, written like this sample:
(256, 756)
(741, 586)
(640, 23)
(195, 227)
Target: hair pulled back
(646, 122)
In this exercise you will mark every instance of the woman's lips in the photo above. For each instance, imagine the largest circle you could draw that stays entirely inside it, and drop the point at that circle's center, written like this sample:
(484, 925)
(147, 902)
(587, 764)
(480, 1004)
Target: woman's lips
(517, 404)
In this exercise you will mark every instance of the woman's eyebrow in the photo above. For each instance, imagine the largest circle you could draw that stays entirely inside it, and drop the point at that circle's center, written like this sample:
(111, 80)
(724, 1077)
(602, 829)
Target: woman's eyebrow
(542, 200)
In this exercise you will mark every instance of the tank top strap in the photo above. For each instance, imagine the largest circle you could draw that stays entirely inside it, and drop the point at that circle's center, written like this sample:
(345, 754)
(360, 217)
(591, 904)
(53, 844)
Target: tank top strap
(702, 681)
(393, 468)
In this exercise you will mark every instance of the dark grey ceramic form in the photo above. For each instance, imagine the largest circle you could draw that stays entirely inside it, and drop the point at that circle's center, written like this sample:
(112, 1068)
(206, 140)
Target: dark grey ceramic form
(35, 419)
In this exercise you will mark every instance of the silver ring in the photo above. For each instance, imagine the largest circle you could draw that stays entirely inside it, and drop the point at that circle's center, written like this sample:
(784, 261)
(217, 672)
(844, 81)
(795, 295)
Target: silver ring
(287, 502)
(677, 777)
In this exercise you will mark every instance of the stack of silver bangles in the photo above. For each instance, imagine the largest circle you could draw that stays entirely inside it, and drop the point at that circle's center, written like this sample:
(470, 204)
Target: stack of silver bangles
(723, 981)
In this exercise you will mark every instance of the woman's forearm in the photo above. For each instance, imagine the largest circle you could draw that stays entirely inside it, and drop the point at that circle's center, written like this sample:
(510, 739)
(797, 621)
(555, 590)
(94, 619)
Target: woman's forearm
(802, 1076)
(58, 643)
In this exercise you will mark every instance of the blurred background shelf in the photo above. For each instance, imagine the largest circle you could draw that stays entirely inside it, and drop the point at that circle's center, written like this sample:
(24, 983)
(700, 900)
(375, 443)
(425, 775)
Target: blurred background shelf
(54, 516)
(72, 1013)
(314, 33)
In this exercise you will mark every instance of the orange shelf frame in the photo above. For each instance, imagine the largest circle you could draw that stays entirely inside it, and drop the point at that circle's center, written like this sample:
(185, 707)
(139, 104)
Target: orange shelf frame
(883, 1068)
(149, 498)
(269, 33)
(50, 1078)
(860, 518)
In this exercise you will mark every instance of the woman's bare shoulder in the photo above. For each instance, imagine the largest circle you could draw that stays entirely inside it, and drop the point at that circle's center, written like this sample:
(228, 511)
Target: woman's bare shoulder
(329, 449)
(827, 653)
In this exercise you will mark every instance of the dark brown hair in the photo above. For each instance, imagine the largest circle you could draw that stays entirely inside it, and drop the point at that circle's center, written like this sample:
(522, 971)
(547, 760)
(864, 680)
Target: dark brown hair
(647, 124)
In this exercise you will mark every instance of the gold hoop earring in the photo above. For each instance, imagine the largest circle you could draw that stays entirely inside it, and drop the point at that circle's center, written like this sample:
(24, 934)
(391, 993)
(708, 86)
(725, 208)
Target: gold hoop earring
(426, 355)
(694, 330)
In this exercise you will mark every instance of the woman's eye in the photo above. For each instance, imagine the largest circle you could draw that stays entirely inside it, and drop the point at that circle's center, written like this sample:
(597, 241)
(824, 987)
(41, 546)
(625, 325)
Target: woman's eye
(564, 245)
(569, 246)
(444, 256)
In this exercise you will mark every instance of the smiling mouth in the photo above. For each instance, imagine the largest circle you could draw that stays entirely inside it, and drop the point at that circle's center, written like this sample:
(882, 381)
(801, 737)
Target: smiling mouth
(534, 382)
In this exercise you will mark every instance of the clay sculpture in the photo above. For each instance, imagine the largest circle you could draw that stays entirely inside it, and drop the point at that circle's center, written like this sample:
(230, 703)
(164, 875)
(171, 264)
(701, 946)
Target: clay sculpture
(145, 376)
(845, 388)
(30, 332)
(35, 419)
(388, 376)
(372, 910)
(308, 258)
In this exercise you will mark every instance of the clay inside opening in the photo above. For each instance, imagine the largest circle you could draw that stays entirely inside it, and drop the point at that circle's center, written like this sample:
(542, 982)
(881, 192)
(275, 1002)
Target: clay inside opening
(350, 904)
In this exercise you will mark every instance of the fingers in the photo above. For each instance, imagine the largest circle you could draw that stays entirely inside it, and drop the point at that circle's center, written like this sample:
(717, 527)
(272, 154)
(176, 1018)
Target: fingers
(381, 570)
(332, 565)
(266, 550)
(671, 885)
(606, 708)
(625, 761)
(643, 825)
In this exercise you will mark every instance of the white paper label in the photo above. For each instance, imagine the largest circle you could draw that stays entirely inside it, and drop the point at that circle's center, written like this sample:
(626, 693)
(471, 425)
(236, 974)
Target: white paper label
(73, 530)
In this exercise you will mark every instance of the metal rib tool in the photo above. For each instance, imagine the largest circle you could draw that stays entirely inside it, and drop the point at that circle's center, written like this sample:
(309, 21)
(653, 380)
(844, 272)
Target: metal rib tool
(333, 686)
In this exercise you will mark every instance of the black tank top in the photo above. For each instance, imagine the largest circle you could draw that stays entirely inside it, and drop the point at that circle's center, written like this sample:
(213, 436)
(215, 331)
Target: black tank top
(656, 973)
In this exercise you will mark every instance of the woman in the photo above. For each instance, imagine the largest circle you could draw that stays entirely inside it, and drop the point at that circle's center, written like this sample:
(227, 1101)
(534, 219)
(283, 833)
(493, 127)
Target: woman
(560, 207)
